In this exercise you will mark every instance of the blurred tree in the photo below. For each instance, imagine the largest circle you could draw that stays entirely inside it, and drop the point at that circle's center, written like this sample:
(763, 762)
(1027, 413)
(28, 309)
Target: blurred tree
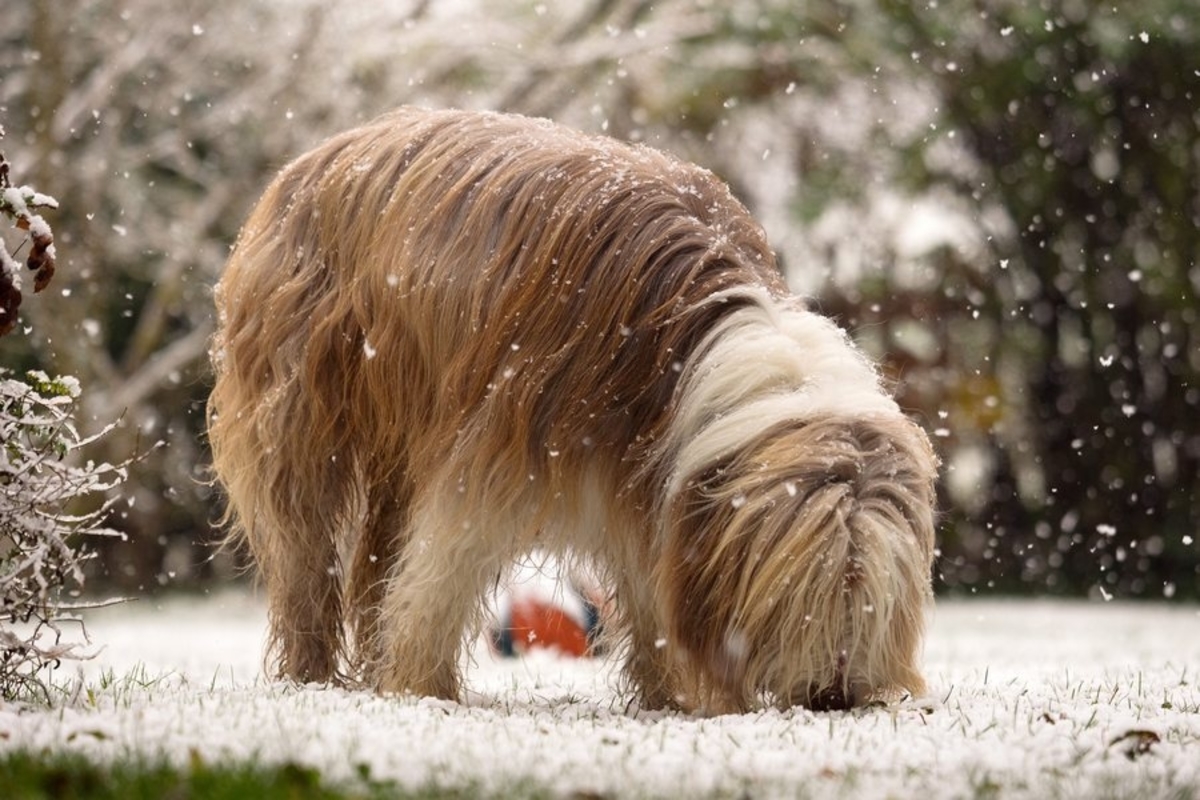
(1082, 122)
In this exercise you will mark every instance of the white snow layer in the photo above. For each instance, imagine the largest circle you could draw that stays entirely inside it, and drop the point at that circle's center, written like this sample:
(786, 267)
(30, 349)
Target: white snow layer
(1028, 699)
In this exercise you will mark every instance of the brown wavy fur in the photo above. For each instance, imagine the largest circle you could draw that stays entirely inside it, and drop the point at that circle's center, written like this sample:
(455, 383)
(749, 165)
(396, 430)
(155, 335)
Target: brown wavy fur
(446, 337)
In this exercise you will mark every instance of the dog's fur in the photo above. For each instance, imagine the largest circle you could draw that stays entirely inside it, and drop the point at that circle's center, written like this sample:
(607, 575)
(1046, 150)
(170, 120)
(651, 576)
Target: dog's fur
(447, 337)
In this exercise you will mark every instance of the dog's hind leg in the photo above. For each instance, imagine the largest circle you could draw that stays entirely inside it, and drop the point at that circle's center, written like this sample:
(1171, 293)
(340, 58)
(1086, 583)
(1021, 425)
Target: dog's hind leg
(380, 543)
(301, 568)
(287, 505)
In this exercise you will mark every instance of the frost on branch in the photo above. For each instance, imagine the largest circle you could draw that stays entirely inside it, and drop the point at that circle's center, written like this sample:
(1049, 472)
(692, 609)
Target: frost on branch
(49, 503)
(17, 203)
(42, 541)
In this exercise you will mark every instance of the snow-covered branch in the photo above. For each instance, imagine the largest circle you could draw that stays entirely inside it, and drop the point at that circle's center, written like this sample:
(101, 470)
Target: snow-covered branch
(19, 204)
(42, 551)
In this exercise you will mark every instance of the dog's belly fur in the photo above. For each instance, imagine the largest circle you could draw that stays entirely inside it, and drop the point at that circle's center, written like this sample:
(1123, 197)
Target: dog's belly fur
(445, 335)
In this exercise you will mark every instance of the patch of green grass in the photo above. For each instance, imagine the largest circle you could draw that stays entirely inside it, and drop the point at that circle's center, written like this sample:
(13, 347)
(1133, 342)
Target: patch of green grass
(70, 776)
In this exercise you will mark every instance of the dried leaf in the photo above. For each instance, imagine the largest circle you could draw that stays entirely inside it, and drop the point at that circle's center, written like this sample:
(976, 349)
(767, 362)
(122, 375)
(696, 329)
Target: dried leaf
(1138, 742)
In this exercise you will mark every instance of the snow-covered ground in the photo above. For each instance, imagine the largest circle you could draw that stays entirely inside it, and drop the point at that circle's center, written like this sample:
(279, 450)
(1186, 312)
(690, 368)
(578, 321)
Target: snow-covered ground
(1029, 699)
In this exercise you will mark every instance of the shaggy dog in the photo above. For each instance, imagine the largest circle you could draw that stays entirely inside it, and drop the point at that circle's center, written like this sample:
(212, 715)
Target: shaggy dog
(446, 338)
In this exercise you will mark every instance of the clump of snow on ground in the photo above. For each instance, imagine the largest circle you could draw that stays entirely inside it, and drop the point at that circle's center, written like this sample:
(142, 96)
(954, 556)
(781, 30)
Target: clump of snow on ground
(1028, 699)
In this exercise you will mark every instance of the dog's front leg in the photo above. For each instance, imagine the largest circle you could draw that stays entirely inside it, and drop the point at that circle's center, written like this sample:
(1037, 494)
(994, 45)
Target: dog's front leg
(432, 599)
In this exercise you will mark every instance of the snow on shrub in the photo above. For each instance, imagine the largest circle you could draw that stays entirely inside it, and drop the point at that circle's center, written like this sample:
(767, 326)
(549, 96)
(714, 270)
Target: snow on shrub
(42, 485)
(17, 203)
(42, 543)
